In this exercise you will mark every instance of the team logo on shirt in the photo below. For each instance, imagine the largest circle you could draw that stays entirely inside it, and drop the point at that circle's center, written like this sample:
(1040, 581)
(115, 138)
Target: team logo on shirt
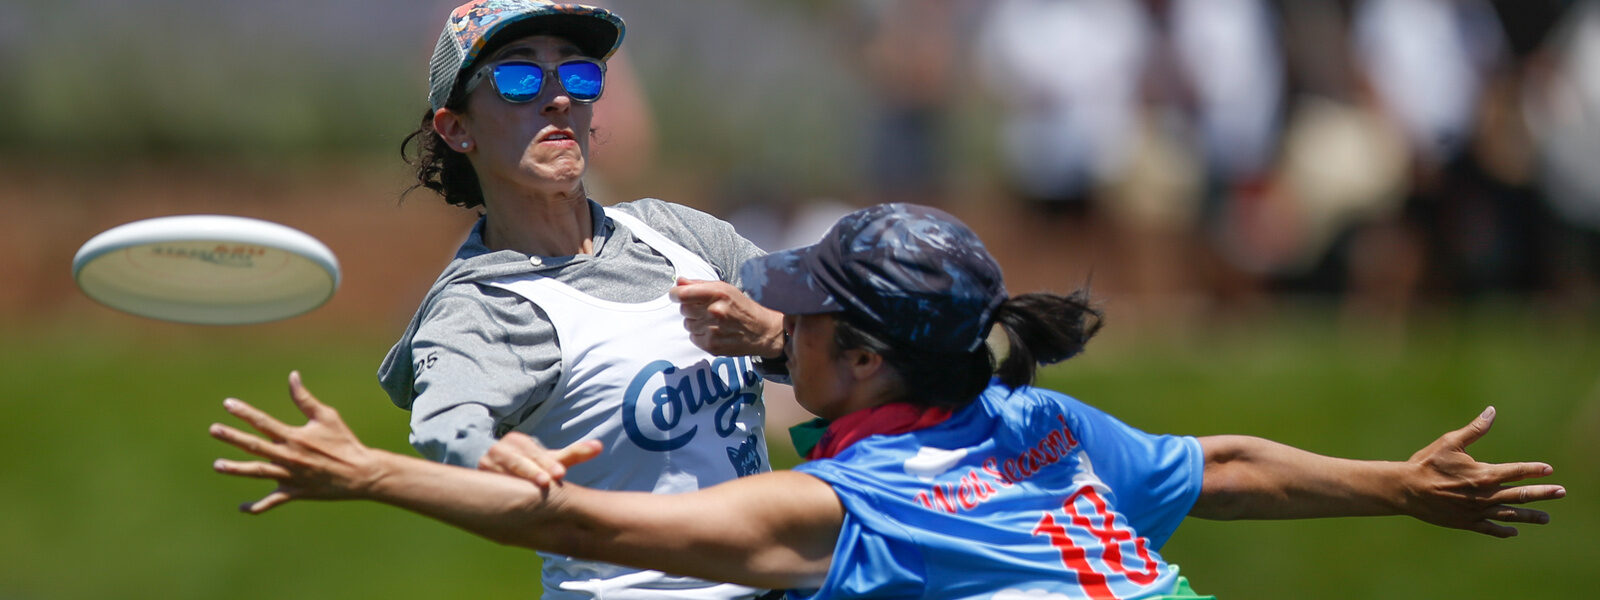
(746, 457)
(661, 401)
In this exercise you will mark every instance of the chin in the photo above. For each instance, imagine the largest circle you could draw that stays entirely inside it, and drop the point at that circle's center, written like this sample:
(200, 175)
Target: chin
(562, 172)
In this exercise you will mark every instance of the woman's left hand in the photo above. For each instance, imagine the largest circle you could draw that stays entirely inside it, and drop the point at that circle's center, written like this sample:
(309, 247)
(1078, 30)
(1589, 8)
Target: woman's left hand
(1450, 488)
(724, 321)
(320, 460)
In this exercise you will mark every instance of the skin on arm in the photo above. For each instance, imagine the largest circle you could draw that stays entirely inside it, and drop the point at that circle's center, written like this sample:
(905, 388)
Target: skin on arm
(724, 321)
(1252, 478)
(774, 530)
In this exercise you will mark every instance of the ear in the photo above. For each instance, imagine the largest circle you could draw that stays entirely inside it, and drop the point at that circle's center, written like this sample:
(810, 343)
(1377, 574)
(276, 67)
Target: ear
(451, 126)
(865, 365)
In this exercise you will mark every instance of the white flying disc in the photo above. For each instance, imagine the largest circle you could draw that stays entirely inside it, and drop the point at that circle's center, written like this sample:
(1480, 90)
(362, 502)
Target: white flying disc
(207, 269)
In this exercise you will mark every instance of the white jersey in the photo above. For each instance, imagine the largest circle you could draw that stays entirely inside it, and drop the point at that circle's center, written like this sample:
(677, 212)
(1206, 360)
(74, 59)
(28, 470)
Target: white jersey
(673, 417)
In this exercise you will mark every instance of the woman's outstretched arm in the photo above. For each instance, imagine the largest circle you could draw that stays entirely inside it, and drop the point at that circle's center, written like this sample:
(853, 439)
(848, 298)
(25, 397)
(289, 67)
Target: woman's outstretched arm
(1252, 478)
(775, 530)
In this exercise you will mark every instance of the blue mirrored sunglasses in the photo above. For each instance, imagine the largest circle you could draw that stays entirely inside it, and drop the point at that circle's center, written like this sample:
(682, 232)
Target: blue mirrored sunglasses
(519, 81)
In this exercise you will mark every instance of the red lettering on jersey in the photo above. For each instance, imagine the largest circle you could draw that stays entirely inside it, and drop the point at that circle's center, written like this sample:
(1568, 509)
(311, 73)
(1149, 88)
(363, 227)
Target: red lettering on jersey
(973, 489)
(1111, 537)
(942, 500)
(992, 467)
(1074, 558)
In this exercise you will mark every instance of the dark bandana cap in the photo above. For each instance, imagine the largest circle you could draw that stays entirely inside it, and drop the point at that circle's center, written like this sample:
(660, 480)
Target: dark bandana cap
(915, 273)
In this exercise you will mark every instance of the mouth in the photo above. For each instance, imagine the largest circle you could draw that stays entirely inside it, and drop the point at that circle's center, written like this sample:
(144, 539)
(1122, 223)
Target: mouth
(559, 135)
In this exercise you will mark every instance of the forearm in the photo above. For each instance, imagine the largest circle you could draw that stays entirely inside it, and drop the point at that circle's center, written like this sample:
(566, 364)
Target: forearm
(772, 534)
(1253, 478)
(503, 509)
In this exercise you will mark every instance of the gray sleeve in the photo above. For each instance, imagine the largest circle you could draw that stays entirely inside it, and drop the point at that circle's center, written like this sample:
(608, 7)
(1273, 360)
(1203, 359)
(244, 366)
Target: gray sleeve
(713, 239)
(483, 363)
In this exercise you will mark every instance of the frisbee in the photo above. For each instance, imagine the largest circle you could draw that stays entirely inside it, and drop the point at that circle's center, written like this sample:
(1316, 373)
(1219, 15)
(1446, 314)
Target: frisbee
(207, 269)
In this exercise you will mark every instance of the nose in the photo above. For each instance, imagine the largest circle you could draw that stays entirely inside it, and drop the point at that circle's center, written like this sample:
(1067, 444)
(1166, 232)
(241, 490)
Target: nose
(556, 100)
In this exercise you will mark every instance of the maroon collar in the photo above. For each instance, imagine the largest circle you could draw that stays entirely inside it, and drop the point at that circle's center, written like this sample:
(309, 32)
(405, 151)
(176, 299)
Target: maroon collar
(888, 419)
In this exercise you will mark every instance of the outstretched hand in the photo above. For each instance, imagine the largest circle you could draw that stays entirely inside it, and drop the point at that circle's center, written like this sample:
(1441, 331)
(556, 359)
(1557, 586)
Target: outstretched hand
(322, 459)
(520, 455)
(1452, 489)
(724, 321)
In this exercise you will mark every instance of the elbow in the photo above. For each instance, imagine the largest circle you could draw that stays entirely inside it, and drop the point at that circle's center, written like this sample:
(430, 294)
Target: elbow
(1229, 490)
(1218, 501)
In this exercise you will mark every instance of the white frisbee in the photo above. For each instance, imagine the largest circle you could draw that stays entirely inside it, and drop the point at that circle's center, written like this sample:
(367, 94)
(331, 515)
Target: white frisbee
(207, 269)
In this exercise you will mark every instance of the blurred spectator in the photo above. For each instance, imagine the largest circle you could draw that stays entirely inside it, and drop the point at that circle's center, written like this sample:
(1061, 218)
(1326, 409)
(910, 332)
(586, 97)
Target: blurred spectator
(1564, 114)
(1231, 57)
(1209, 125)
(1065, 77)
(1427, 60)
(1339, 173)
(907, 53)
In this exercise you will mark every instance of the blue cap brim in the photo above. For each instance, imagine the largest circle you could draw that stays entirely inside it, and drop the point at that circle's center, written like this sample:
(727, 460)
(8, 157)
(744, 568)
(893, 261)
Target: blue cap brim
(785, 282)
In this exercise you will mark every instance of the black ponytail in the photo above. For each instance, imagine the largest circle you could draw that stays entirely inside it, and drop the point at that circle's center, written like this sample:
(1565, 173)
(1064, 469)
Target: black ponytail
(1044, 329)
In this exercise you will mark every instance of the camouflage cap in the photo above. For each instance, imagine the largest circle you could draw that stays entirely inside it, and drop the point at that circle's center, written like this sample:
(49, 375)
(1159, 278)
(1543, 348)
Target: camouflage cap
(913, 273)
(467, 33)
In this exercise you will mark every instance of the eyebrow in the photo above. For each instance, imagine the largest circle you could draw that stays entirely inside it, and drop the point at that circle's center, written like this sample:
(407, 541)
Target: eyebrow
(565, 51)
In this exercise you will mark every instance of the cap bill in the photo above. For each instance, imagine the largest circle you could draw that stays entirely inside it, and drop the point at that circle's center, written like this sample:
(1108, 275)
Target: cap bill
(785, 282)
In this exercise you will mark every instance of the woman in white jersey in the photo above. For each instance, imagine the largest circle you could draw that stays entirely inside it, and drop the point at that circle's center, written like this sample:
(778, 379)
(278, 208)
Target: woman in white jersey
(554, 318)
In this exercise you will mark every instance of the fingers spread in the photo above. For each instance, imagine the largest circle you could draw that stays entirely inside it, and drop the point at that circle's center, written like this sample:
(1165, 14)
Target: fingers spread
(246, 442)
(548, 463)
(1476, 429)
(518, 454)
(1495, 529)
(1510, 472)
(579, 452)
(1512, 514)
(523, 456)
(265, 504)
(1524, 494)
(261, 421)
(526, 468)
(307, 403)
(256, 469)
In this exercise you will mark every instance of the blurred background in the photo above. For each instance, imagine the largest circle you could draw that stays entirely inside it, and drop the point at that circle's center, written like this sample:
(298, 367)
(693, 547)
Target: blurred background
(1345, 225)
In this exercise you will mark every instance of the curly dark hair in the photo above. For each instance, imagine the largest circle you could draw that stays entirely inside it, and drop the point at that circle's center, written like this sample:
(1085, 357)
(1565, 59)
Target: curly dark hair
(439, 167)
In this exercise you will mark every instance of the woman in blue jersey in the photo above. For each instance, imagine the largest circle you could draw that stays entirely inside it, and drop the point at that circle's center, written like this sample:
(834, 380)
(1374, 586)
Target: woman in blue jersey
(930, 477)
(557, 318)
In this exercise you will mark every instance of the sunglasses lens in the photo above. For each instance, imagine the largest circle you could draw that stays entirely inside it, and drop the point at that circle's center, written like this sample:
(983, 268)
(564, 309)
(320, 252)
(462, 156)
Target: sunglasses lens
(582, 80)
(518, 82)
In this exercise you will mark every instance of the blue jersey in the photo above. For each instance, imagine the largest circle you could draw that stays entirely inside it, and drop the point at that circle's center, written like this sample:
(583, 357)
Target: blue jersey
(1022, 494)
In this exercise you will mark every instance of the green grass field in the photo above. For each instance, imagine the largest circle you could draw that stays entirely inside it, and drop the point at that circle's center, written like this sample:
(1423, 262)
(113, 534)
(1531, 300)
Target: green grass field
(106, 489)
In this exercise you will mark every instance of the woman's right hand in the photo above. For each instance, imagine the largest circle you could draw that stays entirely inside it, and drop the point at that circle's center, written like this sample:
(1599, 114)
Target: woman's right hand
(321, 460)
(725, 321)
(520, 455)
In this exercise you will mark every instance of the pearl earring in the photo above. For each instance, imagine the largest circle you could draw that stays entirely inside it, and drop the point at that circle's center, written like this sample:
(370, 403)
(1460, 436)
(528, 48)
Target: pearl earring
(464, 145)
